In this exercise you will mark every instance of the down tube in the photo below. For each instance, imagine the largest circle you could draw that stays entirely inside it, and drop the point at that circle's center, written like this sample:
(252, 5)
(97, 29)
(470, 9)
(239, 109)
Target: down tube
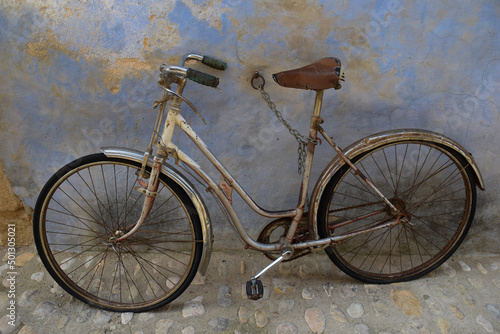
(232, 182)
(213, 186)
(232, 214)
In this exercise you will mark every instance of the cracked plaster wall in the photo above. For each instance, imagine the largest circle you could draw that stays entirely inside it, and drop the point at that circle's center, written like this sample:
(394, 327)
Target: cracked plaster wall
(78, 75)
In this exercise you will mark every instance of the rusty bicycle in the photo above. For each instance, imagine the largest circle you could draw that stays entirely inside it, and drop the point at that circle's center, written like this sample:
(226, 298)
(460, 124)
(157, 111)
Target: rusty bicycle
(126, 231)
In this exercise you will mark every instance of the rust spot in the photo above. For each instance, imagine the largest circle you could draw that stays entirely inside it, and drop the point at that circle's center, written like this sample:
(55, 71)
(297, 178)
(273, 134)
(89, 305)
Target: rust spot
(317, 121)
(310, 147)
(227, 189)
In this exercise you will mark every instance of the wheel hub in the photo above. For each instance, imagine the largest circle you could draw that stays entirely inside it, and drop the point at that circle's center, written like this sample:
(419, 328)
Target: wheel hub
(400, 205)
(111, 241)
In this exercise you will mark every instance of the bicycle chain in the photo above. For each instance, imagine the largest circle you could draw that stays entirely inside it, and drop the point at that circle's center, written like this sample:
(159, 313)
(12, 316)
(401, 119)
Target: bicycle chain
(301, 139)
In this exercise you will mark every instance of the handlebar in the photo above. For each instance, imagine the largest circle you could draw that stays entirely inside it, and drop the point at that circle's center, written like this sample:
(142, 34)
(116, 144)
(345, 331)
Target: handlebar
(202, 78)
(214, 63)
(206, 60)
(171, 71)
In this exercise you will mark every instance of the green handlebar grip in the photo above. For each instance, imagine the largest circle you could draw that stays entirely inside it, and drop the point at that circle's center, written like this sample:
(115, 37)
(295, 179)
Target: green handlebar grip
(214, 63)
(202, 78)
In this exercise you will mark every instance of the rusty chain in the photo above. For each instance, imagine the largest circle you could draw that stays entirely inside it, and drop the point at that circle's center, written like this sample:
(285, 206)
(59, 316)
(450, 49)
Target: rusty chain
(301, 139)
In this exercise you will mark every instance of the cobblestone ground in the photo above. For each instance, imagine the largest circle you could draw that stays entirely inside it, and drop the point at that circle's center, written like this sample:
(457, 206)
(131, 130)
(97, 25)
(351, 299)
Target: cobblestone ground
(308, 295)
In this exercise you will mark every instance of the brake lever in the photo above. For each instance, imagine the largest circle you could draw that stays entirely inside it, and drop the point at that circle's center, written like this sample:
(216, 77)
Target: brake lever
(183, 99)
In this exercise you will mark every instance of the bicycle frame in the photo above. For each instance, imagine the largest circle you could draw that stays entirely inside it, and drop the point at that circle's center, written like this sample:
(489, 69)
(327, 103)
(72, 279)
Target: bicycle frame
(167, 147)
(89, 206)
(224, 191)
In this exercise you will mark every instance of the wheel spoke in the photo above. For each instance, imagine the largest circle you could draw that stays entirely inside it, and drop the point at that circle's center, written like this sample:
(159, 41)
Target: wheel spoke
(432, 191)
(94, 192)
(94, 201)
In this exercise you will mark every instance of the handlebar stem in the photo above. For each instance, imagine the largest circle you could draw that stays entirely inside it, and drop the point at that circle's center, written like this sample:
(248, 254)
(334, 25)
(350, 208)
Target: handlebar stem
(173, 70)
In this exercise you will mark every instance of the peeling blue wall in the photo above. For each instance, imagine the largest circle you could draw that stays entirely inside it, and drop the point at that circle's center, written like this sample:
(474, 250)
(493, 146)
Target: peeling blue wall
(80, 75)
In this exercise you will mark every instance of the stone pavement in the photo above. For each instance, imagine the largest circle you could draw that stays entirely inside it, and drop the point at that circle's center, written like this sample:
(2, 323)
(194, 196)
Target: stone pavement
(308, 295)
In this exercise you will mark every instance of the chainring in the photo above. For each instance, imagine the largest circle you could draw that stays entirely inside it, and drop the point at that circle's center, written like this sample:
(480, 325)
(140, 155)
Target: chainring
(276, 231)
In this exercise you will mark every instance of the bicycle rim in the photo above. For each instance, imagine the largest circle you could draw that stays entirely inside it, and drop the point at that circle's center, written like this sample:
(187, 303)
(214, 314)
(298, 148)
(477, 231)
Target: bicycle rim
(431, 184)
(85, 205)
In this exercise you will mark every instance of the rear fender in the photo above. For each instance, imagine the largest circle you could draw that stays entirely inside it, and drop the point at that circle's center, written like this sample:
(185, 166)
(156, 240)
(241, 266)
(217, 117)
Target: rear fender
(375, 140)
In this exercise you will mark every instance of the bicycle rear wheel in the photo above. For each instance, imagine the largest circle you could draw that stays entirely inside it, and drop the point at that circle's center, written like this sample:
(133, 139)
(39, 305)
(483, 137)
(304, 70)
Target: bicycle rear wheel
(93, 199)
(431, 184)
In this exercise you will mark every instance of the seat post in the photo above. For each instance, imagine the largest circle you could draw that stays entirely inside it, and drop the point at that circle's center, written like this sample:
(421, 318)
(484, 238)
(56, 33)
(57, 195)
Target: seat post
(317, 103)
(316, 116)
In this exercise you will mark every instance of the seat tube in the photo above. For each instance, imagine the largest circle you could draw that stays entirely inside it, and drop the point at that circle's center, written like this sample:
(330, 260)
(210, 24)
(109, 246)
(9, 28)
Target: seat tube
(313, 132)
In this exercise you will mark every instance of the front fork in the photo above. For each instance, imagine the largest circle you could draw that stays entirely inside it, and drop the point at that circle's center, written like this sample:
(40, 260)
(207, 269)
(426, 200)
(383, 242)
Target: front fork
(150, 190)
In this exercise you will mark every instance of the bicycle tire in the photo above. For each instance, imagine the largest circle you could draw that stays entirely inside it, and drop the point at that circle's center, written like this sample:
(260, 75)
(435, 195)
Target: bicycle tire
(92, 199)
(431, 183)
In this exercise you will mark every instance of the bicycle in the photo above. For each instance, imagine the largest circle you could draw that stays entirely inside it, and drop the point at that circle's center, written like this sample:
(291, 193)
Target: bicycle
(125, 231)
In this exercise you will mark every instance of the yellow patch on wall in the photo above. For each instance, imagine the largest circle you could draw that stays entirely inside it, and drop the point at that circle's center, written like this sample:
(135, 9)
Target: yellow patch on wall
(121, 68)
(43, 43)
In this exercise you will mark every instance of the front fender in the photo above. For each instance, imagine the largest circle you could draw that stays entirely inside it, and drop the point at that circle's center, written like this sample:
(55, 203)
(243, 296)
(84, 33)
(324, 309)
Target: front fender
(375, 140)
(128, 154)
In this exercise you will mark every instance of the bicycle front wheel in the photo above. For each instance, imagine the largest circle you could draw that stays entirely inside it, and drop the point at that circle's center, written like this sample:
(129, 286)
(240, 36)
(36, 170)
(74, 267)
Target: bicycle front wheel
(93, 200)
(432, 185)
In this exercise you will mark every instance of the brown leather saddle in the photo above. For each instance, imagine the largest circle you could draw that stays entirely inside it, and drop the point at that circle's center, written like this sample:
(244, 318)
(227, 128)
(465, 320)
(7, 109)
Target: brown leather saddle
(323, 74)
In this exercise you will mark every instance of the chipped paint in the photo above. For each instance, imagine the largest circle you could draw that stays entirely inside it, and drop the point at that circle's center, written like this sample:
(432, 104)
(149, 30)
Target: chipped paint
(43, 44)
(123, 67)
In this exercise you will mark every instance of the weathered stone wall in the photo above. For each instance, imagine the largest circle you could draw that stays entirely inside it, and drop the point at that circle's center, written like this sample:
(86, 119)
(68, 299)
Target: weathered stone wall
(13, 213)
(78, 75)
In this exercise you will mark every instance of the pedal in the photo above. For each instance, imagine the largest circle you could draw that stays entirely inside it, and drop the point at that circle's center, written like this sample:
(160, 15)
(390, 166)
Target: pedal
(255, 289)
